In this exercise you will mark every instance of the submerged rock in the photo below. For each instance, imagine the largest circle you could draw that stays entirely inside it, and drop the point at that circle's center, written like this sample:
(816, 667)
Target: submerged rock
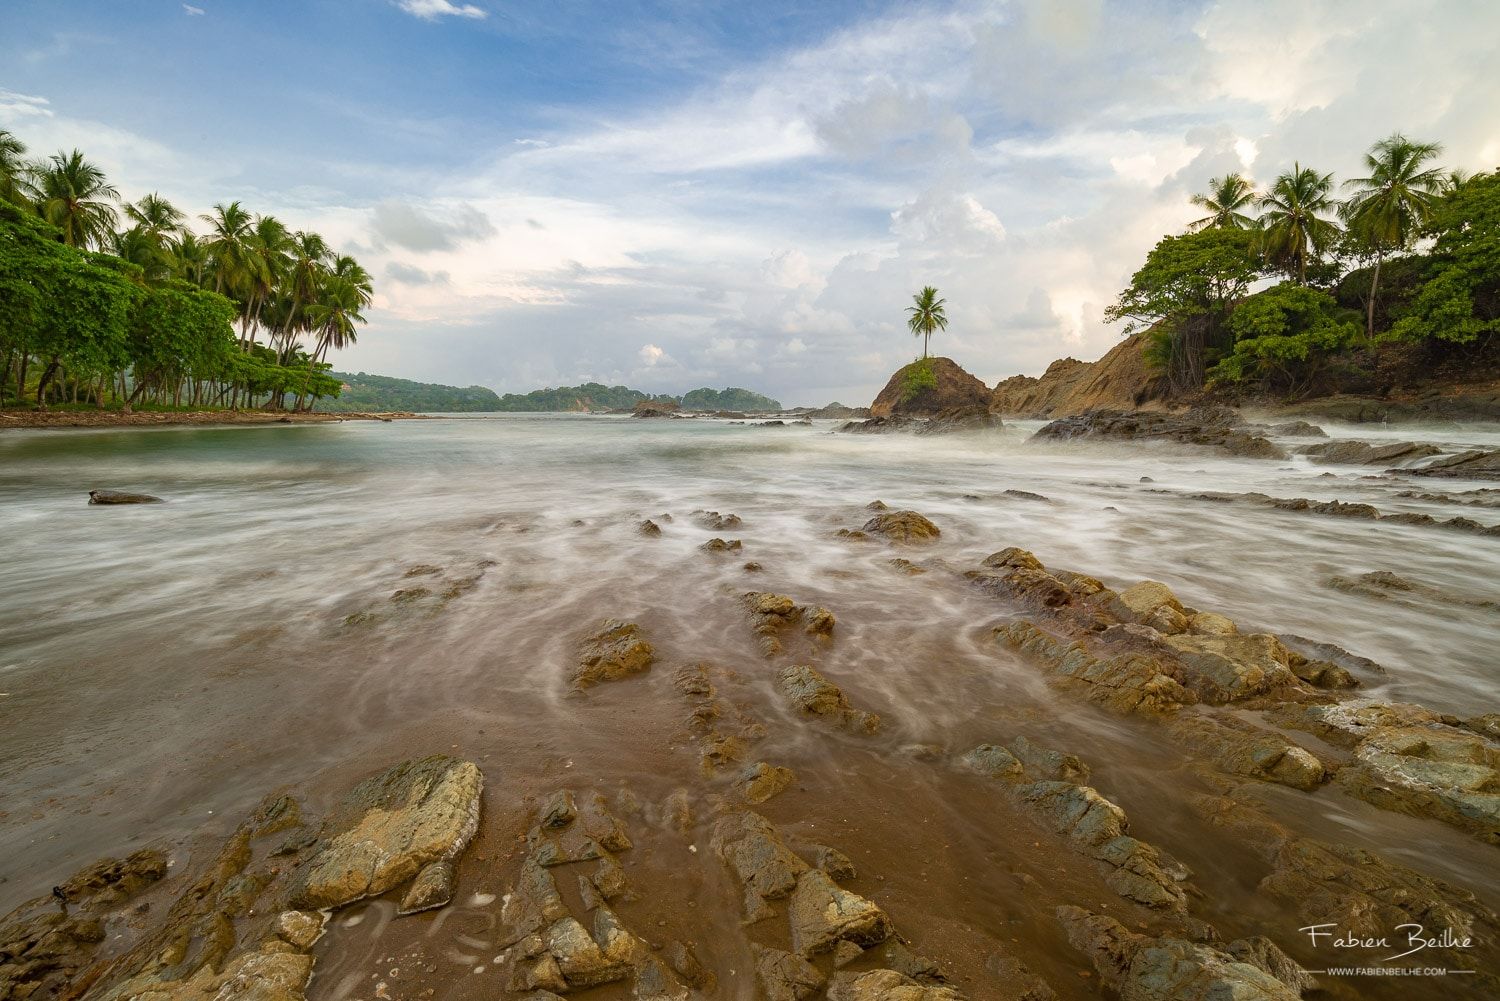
(617, 651)
(389, 828)
(761, 781)
(814, 694)
(121, 497)
(1475, 464)
(1362, 453)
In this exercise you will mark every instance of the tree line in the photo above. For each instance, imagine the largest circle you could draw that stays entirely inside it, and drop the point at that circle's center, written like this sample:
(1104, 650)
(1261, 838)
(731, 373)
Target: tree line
(113, 303)
(1410, 255)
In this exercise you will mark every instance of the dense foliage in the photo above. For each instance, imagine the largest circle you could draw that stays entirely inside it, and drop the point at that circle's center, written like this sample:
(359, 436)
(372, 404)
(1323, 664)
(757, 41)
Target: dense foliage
(362, 392)
(1353, 274)
(118, 305)
(596, 396)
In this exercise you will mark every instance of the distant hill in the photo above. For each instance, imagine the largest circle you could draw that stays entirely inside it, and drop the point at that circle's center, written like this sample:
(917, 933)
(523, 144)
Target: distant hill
(382, 392)
(365, 392)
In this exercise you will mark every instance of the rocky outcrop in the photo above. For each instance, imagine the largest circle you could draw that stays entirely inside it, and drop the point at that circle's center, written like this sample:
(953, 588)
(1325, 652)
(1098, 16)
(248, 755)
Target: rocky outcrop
(776, 618)
(1472, 465)
(655, 408)
(1149, 968)
(974, 417)
(1210, 428)
(928, 387)
(1362, 453)
(1120, 380)
(1342, 509)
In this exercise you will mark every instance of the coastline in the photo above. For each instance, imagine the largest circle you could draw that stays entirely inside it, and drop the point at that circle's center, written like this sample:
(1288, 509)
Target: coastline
(42, 419)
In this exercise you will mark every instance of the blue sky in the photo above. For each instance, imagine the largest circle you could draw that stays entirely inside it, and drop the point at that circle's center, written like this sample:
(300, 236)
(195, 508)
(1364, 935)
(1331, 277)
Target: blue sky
(677, 194)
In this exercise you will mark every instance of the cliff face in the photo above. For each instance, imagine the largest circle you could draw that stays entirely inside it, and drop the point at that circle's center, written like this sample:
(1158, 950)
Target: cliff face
(1120, 380)
(926, 388)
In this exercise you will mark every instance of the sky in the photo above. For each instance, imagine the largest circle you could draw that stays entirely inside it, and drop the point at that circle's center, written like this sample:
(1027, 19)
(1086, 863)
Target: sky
(677, 194)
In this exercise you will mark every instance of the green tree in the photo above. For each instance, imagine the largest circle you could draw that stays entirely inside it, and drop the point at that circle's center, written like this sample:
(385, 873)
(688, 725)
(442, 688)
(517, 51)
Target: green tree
(1293, 227)
(1227, 199)
(73, 195)
(926, 315)
(1283, 335)
(1387, 209)
(1185, 292)
(1460, 300)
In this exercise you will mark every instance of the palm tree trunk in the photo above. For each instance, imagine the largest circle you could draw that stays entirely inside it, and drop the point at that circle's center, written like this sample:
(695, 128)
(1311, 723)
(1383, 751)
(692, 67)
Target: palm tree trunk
(1370, 312)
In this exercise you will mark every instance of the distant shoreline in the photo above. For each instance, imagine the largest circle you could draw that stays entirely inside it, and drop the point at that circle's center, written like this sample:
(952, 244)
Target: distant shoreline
(42, 419)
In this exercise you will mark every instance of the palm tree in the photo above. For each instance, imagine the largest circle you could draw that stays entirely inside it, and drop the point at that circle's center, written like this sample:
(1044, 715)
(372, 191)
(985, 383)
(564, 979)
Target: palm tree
(269, 246)
(1388, 208)
(926, 315)
(157, 217)
(228, 247)
(1293, 223)
(72, 194)
(12, 168)
(190, 259)
(1226, 198)
(140, 248)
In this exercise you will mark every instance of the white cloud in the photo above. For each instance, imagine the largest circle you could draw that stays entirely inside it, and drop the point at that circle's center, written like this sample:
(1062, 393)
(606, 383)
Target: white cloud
(431, 10)
(651, 354)
(14, 107)
(192, 11)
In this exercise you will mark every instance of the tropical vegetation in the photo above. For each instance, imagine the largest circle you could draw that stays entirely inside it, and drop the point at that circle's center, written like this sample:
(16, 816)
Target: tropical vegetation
(1312, 285)
(106, 302)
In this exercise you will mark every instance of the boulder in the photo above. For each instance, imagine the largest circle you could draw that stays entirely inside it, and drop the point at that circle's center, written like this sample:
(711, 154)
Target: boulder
(616, 651)
(815, 695)
(785, 977)
(762, 780)
(823, 914)
(906, 527)
(927, 387)
(887, 985)
(388, 828)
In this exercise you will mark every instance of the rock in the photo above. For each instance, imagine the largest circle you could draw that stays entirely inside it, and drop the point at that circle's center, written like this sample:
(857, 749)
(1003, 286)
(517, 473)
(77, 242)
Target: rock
(432, 888)
(845, 953)
(616, 651)
(720, 546)
(822, 914)
(785, 977)
(1126, 683)
(994, 761)
(820, 622)
(1097, 827)
(774, 615)
(1235, 666)
(1026, 495)
(761, 781)
(886, 985)
(1430, 771)
(1145, 968)
(1263, 954)
(928, 387)
(1241, 748)
(649, 529)
(595, 833)
(300, 929)
(812, 693)
(1151, 604)
(1123, 380)
(753, 849)
(1472, 465)
(559, 810)
(716, 522)
(1213, 428)
(1298, 429)
(388, 828)
(685, 962)
(837, 411)
(902, 527)
(1362, 453)
(974, 417)
(1045, 763)
(834, 862)
(121, 497)
(579, 958)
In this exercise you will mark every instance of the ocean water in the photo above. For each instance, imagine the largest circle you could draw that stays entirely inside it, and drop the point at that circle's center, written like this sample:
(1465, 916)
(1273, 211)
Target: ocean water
(163, 667)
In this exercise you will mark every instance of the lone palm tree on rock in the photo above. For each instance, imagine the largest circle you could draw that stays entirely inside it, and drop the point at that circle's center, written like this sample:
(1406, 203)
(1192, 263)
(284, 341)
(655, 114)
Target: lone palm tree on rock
(926, 315)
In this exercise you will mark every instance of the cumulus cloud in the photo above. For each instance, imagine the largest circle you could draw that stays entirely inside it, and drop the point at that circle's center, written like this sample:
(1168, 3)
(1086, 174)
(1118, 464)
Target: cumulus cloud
(431, 10)
(414, 228)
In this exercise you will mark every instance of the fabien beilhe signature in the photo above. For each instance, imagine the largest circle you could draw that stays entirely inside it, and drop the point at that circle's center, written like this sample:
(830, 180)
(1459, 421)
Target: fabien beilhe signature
(1412, 937)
